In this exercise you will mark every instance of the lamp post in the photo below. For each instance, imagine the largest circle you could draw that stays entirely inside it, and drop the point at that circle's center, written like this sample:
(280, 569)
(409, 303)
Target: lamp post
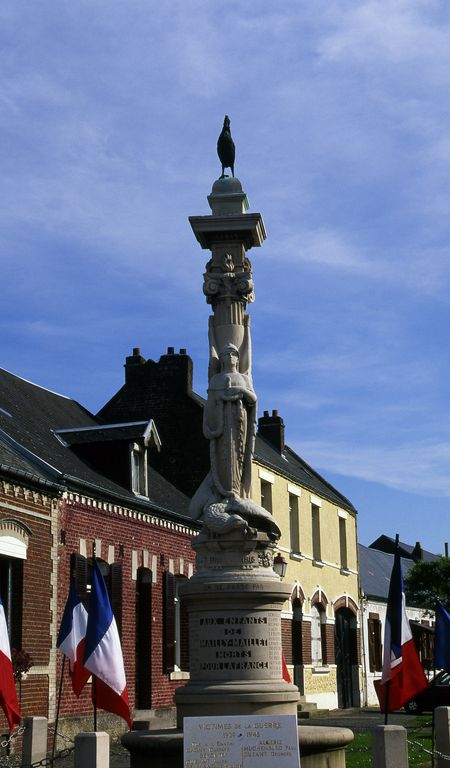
(280, 565)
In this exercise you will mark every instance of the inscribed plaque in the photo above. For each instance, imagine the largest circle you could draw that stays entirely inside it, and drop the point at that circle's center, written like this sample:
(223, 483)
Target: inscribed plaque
(247, 741)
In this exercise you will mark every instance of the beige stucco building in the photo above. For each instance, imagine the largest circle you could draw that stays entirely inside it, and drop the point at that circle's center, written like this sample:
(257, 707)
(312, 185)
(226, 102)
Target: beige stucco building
(321, 638)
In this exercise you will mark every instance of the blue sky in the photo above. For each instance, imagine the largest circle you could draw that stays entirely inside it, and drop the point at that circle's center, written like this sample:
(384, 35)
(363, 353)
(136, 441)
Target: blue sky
(110, 113)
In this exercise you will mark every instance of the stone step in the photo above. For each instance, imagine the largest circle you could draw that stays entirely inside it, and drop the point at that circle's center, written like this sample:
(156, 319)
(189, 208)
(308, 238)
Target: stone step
(308, 710)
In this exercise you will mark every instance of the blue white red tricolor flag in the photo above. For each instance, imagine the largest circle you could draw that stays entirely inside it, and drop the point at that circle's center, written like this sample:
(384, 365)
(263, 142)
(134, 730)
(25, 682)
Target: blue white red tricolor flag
(442, 638)
(402, 677)
(8, 693)
(284, 670)
(103, 652)
(71, 638)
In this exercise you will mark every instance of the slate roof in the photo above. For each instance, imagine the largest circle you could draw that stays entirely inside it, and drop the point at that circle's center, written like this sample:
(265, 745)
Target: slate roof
(387, 544)
(36, 414)
(103, 433)
(296, 469)
(375, 568)
(29, 447)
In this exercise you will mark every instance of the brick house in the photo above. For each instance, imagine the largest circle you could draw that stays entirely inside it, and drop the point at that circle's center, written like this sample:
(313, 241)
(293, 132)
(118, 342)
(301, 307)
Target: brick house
(71, 484)
(28, 508)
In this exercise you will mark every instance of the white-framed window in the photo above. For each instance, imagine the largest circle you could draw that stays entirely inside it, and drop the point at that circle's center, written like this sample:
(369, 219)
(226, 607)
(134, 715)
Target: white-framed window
(266, 495)
(315, 527)
(294, 523)
(343, 542)
(175, 627)
(139, 475)
(181, 629)
(318, 622)
(14, 538)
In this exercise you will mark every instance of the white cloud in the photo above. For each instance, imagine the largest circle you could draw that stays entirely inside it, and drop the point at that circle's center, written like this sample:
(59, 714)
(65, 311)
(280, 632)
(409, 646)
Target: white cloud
(421, 467)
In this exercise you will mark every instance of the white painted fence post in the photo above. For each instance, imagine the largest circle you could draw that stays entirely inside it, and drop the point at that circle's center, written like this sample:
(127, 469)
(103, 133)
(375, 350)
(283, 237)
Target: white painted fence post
(389, 747)
(442, 735)
(34, 745)
(92, 750)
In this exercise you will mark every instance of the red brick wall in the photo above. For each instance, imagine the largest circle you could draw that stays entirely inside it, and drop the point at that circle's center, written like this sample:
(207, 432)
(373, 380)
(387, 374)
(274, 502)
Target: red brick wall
(306, 642)
(87, 522)
(15, 502)
(286, 639)
(33, 694)
(37, 593)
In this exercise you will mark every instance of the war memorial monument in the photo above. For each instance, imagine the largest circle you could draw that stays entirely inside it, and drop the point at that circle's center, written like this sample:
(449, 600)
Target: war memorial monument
(235, 597)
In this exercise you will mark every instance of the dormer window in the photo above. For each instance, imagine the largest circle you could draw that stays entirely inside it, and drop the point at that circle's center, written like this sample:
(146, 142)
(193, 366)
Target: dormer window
(138, 459)
(121, 452)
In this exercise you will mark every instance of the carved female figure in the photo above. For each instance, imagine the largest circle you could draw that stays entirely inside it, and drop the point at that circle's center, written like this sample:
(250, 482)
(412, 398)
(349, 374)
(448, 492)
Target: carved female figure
(229, 421)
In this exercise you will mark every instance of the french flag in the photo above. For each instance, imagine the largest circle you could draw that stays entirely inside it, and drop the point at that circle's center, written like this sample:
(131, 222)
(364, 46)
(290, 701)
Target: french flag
(71, 639)
(402, 676)
(284, 670)
(103, 652)
(442, 638)
(8, 693)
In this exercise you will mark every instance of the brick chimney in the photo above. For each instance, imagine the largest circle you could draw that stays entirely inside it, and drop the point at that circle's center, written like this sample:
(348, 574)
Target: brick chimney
(417, 553)
(173, 371)
(133, 363)
(272, 429)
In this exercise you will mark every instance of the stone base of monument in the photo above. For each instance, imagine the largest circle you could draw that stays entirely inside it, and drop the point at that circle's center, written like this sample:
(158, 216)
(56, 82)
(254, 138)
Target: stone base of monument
(320, 747)
(234, 604)
(244, 699)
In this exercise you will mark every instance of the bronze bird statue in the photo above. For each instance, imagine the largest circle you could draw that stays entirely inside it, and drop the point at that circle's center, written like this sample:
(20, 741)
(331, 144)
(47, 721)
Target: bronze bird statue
(225, 148)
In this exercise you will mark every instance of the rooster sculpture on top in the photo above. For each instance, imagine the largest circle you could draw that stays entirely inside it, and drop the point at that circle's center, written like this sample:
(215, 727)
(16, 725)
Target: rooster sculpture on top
(225, 148)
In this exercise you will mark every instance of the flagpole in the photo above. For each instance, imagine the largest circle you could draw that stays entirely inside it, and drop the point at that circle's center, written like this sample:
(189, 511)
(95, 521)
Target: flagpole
(388, 683)
(386, 702)
(432, 720)
(94, 701)
(58, 704)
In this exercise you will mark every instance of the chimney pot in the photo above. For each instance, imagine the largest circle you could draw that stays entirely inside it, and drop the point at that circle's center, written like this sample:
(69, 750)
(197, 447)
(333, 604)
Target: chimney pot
(136, 351)
(272, 429)
(170, 350)
(182, 351)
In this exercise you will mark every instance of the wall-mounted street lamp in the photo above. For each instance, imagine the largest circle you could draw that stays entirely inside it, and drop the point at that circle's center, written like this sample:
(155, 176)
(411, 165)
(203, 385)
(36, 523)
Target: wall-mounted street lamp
(280, 565)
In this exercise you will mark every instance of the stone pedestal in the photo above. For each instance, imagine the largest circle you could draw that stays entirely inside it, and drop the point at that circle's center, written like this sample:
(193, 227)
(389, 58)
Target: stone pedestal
(234, 604)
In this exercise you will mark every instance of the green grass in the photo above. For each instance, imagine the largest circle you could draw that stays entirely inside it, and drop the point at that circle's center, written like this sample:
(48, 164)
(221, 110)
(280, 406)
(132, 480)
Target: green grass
(359, 753)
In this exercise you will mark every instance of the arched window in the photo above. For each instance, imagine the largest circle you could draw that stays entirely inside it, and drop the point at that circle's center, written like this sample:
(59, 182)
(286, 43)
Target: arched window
(143, 644)
(297, 618)
(14, 538)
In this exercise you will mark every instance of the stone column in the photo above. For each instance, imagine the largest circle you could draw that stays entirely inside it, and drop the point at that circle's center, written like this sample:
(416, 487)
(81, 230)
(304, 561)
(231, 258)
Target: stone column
(389, 747)
(235, 598)
(34, 748)
(442, 736)
(92, 750)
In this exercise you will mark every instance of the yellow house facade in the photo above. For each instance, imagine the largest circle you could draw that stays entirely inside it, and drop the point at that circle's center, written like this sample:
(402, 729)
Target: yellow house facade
(320, 622)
